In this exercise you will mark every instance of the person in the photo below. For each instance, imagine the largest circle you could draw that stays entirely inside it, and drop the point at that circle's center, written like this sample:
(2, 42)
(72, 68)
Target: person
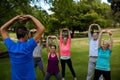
(53, 59)
(103, 61)
(65, 43)
(93, 49)
(20, 52)
(37, 55)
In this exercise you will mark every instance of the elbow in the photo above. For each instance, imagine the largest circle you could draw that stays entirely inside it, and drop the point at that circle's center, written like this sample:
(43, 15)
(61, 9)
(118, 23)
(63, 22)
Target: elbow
(42, 29)
(2, 30)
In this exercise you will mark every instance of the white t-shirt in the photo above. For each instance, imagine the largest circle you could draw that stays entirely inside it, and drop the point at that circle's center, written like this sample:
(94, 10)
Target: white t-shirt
(93, 49)
(37, 51)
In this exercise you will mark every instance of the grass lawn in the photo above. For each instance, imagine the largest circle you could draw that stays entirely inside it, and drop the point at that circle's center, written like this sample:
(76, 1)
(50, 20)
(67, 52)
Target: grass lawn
(79, 56)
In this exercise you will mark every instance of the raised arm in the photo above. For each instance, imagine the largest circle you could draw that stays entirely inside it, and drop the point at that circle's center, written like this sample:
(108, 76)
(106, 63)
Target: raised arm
(68, 32)
(61, 32)
(47, 44)
(66, 29)
(100, 38)
(98, 27)
(57, 46)
(40, 27)
(5, 27)
(56, 39)
(111, 40)
(89, 29)
(40, 41)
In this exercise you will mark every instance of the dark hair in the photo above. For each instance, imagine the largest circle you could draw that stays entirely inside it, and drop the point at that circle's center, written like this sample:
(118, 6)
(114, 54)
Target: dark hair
(53, 46)
(21, 31)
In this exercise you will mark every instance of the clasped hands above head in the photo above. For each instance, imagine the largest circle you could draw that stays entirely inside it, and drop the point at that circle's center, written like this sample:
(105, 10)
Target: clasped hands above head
(107, 31)
(52, 36)
(23, 17)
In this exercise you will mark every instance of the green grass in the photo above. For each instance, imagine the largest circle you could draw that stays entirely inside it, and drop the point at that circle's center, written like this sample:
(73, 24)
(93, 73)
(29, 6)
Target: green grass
(79, 56)
(2, 47)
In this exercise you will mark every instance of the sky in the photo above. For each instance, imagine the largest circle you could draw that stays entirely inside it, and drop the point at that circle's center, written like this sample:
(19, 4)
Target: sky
(104, 1)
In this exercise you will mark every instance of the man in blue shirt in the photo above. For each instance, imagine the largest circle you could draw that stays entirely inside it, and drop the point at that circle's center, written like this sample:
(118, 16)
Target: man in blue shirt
(20, 52)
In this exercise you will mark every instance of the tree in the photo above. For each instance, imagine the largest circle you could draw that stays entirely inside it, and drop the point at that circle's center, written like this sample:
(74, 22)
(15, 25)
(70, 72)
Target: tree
(10, 8)
(79, 15)
(115, 5)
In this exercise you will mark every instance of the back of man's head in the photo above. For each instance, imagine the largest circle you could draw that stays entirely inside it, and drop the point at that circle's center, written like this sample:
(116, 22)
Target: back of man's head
(21, 31)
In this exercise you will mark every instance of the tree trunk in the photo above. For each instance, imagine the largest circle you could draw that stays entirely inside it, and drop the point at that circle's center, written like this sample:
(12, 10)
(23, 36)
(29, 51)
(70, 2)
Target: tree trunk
(72, 34)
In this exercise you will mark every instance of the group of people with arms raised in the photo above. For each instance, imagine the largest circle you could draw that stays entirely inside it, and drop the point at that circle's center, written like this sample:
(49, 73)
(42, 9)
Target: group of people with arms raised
(25, 54)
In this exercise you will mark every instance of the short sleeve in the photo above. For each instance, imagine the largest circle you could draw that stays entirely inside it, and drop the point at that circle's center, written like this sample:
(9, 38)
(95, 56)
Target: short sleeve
(31, 44)
(8, 42)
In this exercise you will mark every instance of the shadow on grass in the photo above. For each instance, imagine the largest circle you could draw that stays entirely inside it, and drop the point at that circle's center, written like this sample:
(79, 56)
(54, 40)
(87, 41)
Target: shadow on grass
(4, 54)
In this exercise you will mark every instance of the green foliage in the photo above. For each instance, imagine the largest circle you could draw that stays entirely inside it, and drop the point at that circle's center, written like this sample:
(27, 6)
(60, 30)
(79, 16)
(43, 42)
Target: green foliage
(10, 8)
(77, 16)
(115, 6)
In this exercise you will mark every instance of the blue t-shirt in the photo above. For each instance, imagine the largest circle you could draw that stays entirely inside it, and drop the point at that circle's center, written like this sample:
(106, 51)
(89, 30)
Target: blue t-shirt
(21, 58)
(103, 61)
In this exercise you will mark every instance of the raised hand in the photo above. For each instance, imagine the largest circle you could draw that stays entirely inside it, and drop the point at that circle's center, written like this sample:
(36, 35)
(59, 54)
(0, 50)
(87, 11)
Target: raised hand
(23, 18)
(65, 28)
(104, 30)
(109, 31)
(53, 37)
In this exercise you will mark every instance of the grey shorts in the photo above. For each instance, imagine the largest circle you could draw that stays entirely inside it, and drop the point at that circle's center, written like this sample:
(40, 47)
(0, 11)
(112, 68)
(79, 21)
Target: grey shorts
(38, 62)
